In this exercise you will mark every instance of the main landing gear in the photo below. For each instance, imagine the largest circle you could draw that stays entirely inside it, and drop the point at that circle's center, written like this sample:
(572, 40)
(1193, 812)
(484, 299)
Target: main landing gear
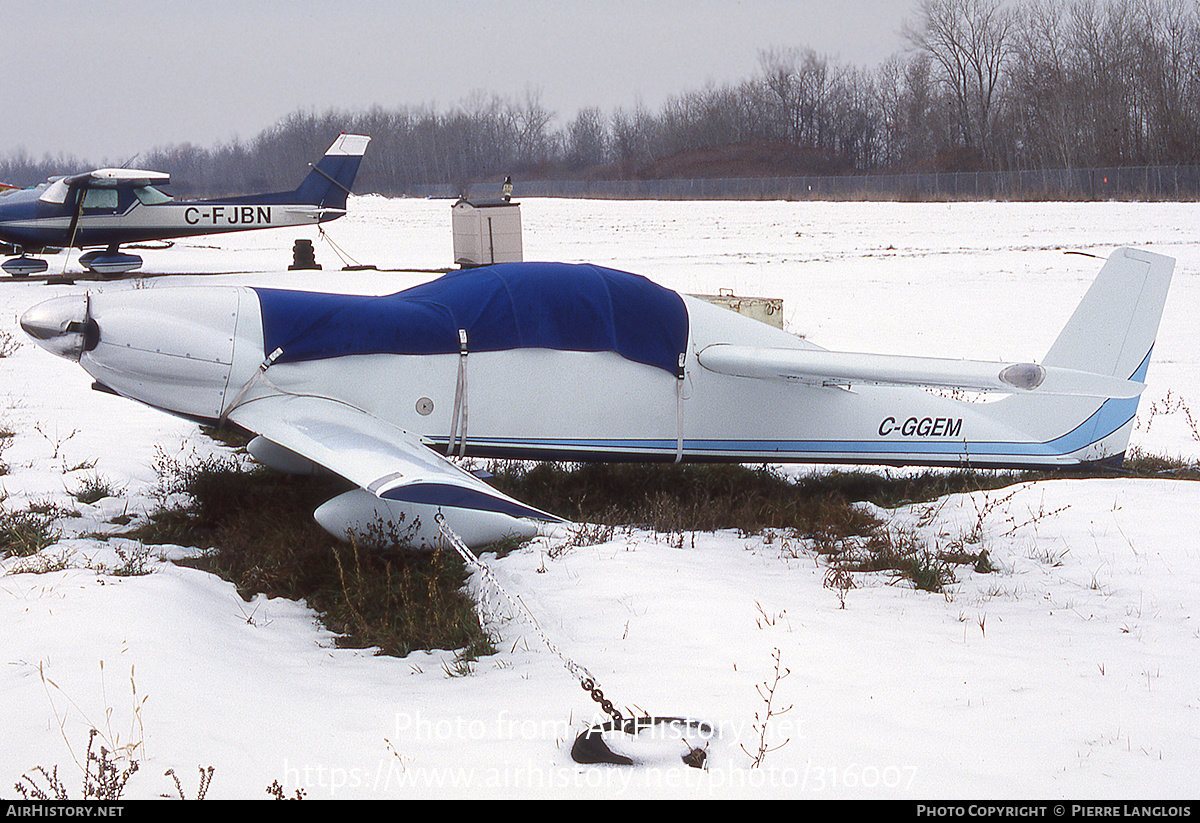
(24, 266)
(106, 263)
(110, 261)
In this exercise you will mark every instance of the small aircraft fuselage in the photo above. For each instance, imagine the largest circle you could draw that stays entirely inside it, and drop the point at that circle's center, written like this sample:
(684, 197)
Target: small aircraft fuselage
(551, 361)
(109, 207)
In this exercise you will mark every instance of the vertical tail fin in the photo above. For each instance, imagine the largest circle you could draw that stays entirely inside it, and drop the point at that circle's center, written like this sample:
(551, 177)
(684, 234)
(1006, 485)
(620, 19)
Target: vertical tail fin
(330, 180)
(1111, 333)
(1114, 326)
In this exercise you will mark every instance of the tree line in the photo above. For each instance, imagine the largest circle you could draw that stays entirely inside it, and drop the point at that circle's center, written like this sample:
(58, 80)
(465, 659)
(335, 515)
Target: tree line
(981, 85)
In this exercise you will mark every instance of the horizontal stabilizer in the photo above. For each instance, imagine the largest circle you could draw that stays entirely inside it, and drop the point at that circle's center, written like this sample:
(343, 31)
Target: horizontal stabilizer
(818, 367)
(315, 212)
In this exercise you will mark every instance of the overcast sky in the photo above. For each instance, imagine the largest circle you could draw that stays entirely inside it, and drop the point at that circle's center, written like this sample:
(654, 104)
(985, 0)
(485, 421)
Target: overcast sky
(103, 81)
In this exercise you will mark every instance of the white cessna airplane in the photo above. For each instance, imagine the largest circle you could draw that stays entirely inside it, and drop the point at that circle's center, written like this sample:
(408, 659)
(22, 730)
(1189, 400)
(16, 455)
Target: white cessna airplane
(107, 207)
(578, 362)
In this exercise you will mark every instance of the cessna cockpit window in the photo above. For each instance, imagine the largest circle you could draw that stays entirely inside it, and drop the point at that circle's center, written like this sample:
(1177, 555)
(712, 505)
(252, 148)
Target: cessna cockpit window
(150, 196)
(100, 199)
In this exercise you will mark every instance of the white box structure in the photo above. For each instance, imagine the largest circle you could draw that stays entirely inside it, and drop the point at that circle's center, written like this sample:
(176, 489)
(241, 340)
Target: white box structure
(486, 232)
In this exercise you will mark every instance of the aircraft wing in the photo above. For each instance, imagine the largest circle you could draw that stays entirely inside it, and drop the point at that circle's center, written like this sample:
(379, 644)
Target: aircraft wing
(58, 189)
(108, 178)
(818, 367)
(386, 461)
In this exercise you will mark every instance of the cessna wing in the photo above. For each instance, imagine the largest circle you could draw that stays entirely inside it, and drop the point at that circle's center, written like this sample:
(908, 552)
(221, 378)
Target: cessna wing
(819, 367)
(107, 178)
(389, 465)
(59, 189)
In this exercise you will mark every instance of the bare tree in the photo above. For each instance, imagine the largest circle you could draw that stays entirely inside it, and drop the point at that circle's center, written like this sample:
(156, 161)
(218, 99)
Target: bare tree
(855, 120)
(971, 42)
(635, 136)
(1107, 63)
(1042, 108)
(530, 120)
(586, 139)
(802, 82)
(779, 69)
(1166, 38)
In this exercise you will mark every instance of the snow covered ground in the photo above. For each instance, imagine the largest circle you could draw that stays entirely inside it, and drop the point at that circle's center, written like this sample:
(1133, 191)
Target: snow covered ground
(1070, 673)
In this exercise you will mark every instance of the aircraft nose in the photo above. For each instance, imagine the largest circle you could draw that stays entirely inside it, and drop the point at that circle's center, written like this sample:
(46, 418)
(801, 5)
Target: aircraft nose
(62, 326)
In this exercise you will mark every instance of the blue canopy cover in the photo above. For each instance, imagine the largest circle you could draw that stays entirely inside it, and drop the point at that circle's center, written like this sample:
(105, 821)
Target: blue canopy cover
(568, 307)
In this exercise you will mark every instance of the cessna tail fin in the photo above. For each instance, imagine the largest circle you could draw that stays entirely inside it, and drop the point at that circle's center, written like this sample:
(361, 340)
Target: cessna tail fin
(330, 180)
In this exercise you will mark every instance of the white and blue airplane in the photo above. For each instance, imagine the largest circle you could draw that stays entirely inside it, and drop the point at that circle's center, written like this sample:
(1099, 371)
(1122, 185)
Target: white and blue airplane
(550, 361)
(105, 208)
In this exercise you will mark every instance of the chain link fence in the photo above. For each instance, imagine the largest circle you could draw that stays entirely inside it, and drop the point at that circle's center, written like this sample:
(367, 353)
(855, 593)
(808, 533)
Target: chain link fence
(1117, 183)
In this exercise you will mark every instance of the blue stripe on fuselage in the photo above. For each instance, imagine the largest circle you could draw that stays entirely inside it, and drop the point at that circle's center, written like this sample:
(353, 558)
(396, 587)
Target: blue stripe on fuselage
(1112, 415)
